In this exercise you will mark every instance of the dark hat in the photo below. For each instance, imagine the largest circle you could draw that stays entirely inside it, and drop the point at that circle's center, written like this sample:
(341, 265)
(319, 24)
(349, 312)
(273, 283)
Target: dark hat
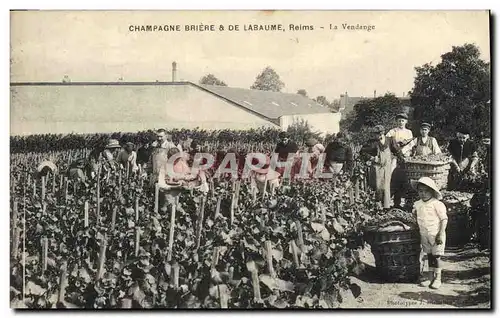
(378, 129)
(283, 134)
(402, 115)
(311, 142)
(422, 125)
(463, 130)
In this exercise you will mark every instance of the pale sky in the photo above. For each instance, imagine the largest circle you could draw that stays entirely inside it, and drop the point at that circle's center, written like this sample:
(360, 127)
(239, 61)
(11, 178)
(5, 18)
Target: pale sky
(98, 46)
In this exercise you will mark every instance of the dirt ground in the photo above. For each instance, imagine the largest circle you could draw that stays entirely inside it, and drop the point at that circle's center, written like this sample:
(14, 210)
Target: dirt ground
(466, 284)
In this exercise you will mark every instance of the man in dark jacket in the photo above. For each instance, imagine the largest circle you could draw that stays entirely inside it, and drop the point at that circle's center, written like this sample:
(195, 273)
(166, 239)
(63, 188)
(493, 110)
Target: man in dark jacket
(285, 147)
(339, 152)
(464, 158)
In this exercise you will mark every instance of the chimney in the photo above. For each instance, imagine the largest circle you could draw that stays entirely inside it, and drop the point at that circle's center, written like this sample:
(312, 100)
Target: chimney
(174, 71)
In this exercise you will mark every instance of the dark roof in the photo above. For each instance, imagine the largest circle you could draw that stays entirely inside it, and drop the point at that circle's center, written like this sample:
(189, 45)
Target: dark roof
(270, 105)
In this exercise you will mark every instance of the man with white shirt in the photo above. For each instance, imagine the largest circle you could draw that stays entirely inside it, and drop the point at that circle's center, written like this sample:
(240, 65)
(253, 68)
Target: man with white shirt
(401, 136)
(164, 140)
(423, 145)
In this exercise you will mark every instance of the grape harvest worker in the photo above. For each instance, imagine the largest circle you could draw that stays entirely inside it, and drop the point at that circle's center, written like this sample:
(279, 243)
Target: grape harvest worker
(285, 147)
(84, 169)
(379, 151)
(315, 149)
(258, 177)
(432, 221)
(127, 158)
(424, 145)
(464, 158)
(339, 156)
(164, 140)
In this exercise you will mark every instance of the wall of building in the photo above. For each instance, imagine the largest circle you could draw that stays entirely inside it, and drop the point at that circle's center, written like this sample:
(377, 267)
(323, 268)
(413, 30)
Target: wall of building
(125, 108)
(327, 123)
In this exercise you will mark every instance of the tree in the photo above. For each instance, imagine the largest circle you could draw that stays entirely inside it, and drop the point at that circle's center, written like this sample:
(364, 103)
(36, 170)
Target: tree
(369, 113)
(210, 79)
(268, 80)
(322, 101)
(302, 92)
(456, 92)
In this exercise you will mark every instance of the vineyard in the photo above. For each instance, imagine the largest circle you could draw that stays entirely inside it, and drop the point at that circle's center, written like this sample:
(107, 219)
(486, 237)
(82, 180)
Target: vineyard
(117, 243)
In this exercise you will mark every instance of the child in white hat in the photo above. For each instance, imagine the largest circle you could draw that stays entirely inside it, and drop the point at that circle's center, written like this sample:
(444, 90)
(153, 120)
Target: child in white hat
(432, 221)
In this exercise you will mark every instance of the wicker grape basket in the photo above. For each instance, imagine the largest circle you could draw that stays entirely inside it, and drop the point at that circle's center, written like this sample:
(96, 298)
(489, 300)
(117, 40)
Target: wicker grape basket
(458, 230)
(397, 253)
(436, 170)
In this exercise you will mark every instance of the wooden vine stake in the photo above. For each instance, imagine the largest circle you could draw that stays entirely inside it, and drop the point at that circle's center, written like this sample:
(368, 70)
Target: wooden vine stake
(53, 182)
(254, 195)
(120, 183)
(295, 253)
(223, 298)
(269, 257)
(102, 258)
(217, 208)
(356, 189)
(252, 268)
(265, 189)
(113, 219)
(15, 242)
(215, 257)
(174, 280)
(157, 194)
(34, 188)
(98, 190)
(233, 198)
(136, 210)
(66, 184)
(61, 184)
(63, 282)
(137, 240)
(45, 249)
(212, 187)
(351, 195)
(86, 214)
(323, 214)
(200, 223)
(300, 237)
(171, 234)
(15, 213)
(43, 187)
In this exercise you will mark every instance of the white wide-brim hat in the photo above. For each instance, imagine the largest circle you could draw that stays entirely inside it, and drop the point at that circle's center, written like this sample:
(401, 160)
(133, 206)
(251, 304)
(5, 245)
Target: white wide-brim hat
(431, 184)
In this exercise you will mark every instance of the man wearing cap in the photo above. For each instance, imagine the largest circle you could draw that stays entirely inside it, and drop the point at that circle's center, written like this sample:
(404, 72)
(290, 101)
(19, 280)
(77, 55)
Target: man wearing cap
(463, 158)
(424, 145)
(379, 151)
(401, 135)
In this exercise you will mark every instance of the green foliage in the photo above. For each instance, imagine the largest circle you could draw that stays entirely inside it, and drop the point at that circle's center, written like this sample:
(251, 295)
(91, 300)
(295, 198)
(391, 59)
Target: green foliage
(210, 79)
(268, 80)
(456, 92)
(370, 112)
(322, 101)
(301, 130)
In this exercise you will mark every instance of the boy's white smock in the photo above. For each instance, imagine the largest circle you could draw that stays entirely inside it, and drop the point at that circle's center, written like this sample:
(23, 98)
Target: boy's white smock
(429, 216)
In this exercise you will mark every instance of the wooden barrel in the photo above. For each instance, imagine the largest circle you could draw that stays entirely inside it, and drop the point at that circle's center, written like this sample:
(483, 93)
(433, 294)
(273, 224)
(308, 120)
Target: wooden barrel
(397, 253)
(459, 229)
(481, 209)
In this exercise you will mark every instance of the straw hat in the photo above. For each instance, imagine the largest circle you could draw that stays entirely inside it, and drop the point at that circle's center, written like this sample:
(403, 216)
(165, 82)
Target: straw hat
(113, 143)
(431, 184)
